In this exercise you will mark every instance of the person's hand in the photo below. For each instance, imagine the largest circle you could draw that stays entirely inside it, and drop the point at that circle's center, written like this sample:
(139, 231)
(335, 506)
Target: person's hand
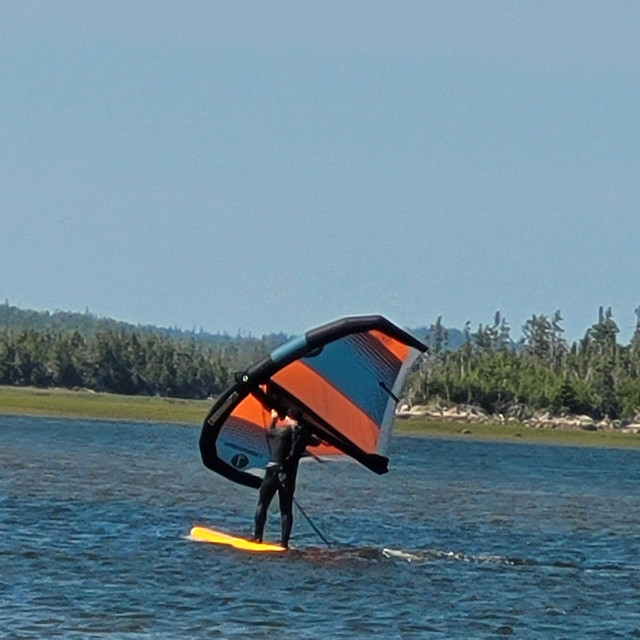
(274, 414)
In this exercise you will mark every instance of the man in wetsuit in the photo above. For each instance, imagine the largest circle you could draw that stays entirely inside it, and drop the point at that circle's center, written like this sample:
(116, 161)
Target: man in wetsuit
(287, 445)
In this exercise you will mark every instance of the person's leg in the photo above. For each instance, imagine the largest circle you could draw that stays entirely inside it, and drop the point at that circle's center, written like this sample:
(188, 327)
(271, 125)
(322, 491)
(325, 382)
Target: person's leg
(265, 495)
(285, 495)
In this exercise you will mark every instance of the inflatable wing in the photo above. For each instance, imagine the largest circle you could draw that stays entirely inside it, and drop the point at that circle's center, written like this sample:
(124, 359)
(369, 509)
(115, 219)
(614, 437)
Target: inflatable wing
(344, 376)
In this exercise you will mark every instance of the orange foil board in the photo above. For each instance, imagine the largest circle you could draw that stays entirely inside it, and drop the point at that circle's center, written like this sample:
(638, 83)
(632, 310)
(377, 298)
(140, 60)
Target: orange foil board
(204, 534)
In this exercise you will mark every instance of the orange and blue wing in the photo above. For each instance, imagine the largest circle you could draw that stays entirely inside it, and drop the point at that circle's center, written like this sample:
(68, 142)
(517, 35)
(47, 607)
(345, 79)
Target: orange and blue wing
(344, 376)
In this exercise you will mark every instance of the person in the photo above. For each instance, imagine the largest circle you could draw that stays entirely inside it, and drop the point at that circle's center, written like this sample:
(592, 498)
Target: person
(287, 445)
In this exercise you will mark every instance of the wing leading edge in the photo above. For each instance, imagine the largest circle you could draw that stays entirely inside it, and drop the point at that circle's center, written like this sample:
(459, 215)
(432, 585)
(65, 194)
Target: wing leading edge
(345, 376)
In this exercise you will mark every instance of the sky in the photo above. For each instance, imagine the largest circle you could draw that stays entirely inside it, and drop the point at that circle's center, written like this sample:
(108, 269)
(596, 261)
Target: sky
(257, 167)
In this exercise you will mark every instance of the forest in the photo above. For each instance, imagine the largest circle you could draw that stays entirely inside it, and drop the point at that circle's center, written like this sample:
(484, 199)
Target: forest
(595, 376)
(74, 350)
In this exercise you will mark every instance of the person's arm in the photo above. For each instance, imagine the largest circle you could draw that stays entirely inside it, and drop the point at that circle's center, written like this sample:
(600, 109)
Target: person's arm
(310, 438)
(313, 440)
(301, 438)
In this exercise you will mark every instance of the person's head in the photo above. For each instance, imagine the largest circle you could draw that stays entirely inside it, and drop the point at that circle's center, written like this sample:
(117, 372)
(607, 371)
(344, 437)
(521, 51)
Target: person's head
(295, 414)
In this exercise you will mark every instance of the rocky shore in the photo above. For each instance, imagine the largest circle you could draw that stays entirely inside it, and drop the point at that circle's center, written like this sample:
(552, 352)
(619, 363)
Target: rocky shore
(469, 414)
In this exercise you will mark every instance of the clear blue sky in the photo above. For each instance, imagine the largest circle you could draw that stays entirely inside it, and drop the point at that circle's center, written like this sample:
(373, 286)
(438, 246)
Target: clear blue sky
(269, 166)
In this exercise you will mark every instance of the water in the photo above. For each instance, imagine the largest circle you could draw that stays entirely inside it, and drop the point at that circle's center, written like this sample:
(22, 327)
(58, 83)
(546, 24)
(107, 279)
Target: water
(459, 540)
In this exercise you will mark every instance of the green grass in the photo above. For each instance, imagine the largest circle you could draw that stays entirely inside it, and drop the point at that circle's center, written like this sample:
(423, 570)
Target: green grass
(108, 406)
(103, 406)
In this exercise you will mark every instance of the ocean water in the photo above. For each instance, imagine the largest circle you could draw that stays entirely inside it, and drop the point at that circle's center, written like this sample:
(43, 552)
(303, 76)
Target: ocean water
(460, 540)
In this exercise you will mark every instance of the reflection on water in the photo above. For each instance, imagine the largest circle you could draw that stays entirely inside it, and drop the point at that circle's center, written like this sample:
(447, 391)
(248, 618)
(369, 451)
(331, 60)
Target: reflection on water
(459, 540)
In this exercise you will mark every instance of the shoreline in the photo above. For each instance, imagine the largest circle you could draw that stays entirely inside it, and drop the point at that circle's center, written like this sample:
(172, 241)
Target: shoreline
(90, 405)
(515, 434)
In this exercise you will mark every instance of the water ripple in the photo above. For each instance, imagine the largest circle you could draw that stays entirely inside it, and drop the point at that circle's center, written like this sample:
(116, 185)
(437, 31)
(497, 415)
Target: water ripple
(459, 540)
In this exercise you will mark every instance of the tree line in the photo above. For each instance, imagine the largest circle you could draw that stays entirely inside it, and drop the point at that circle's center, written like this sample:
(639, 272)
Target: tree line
(594, 376)
(133, 362)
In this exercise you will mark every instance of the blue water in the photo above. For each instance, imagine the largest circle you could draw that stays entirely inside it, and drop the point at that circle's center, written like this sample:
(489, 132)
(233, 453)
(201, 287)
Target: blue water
(459, 540)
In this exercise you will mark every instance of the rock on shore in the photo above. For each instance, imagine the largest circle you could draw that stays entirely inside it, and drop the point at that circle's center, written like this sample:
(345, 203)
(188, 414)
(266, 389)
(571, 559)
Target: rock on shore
(469, 414)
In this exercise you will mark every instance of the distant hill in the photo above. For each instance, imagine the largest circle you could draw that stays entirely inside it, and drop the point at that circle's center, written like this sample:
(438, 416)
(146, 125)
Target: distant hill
(455, 337)
(87, 324)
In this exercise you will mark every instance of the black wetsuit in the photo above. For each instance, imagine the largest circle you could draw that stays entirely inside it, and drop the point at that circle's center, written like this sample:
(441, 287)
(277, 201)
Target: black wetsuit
(287, 445)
